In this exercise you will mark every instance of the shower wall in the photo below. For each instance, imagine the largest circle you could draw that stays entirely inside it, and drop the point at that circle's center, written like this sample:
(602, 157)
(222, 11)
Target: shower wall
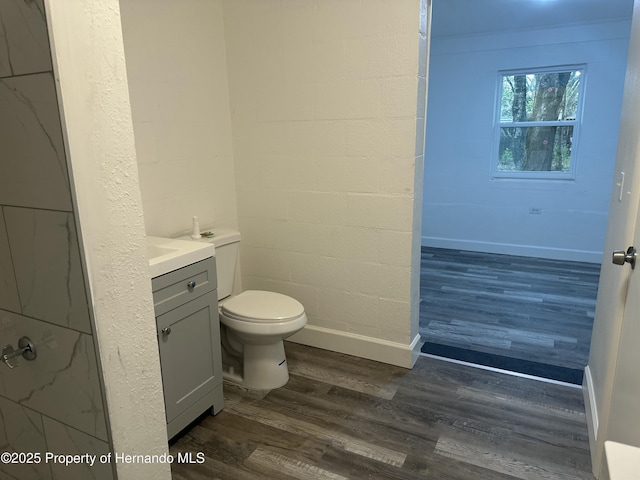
(53, 403)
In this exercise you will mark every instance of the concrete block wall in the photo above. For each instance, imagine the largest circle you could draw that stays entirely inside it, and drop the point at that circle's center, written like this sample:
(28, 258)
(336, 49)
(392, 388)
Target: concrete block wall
(323, 103)
(297, 123)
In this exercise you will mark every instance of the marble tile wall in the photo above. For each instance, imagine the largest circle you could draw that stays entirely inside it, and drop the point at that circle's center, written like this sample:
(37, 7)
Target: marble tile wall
(36, 175)
(44, 250)
(53, 403)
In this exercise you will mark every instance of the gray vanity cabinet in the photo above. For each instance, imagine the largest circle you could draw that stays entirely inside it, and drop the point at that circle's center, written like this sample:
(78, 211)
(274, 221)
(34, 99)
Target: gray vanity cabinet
(186, 308)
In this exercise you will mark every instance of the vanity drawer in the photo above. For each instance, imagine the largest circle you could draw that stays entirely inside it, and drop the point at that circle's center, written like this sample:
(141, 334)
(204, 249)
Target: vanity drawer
(183, 285)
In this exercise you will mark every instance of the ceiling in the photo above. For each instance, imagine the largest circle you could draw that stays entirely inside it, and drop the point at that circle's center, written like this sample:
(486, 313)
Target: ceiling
(466, 17)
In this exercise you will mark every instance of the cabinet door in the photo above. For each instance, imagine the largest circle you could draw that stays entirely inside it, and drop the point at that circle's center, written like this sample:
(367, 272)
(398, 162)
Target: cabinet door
(189, 341)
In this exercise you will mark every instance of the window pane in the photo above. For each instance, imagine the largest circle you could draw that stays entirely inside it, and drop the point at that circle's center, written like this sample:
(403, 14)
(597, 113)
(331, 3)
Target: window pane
(544, 96)
(535, 149)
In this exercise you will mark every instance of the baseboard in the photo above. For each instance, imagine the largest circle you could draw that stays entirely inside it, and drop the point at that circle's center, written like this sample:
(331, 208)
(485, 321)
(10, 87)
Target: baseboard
(513, 249)
(399, 354)
(591, 411)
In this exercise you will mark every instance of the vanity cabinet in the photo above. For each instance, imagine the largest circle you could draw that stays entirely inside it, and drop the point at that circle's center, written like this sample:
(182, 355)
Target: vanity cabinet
(186, 309)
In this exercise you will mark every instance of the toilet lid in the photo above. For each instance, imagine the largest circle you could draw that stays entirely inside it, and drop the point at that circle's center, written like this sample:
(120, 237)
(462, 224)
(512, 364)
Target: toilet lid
(261, 306)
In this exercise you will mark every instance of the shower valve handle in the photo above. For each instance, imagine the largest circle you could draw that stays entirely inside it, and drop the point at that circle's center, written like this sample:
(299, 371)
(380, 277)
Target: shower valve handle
(26, 348)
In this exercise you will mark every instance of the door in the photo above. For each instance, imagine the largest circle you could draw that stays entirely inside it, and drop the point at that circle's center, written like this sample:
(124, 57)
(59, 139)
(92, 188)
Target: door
(612, 378)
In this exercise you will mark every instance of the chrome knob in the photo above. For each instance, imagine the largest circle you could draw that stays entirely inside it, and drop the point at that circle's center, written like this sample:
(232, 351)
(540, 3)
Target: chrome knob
(166, 331)
(620, 257)
(191, 285)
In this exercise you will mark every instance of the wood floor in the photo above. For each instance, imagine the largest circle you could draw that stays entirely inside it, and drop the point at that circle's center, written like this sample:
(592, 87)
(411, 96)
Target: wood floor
(520, 307)
(346, 417)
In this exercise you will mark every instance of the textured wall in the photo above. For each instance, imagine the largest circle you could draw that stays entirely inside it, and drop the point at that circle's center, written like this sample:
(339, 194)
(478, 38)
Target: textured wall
(181, 117)
(323, 101)
(54, 403)
(94, 97)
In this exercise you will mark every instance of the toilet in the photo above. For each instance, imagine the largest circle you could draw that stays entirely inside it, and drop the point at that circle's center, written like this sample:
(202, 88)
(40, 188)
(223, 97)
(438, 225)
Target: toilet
(253, 323)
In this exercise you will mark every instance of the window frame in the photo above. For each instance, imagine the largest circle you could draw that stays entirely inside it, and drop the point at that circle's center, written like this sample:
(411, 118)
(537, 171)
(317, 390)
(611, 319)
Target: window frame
(576, 124)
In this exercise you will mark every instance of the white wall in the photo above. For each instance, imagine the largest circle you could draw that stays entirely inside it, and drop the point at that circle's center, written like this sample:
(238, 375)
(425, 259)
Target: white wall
(323, 102)
(463, 206)
(176, 68)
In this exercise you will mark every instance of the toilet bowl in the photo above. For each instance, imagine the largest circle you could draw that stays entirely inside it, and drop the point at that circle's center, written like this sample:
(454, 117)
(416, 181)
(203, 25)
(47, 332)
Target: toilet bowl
(253, 323)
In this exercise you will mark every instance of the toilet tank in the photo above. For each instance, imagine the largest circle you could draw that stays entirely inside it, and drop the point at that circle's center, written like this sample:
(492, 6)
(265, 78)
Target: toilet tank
(227, 242)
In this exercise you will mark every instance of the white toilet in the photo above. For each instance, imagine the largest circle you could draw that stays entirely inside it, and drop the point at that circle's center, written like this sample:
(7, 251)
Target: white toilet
(252, 323)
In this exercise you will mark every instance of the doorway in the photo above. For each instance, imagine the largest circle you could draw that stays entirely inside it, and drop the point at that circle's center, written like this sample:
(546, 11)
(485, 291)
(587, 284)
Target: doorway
(514, 250)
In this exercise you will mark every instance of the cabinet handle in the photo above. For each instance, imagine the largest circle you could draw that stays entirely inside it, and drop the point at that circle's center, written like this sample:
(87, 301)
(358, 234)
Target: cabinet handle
(191, 285)
(166, 331)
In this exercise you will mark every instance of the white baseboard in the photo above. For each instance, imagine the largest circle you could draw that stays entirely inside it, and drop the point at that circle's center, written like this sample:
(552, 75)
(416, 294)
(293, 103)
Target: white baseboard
(400, 354)
(591, 411)
(513, 249)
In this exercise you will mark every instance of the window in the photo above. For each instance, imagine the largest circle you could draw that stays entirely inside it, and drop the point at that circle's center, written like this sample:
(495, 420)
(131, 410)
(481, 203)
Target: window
(538, 120)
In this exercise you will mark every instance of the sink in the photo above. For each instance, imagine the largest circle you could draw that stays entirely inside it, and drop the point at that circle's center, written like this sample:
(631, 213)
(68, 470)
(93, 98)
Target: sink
(169, 254)
(154, 251)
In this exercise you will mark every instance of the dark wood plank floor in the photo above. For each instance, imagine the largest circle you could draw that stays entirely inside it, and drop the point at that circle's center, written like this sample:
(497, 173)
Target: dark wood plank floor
(527, 308)
(346, 417)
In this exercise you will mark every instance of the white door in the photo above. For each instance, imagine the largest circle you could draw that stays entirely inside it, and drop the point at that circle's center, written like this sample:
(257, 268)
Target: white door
(612, 378)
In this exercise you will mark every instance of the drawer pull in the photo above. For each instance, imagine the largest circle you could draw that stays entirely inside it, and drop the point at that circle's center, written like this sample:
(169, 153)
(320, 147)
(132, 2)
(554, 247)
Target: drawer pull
(191, 285)
(166, 331)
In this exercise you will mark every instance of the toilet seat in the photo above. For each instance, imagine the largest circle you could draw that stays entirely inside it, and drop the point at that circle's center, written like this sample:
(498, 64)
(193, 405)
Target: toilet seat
(259, 306)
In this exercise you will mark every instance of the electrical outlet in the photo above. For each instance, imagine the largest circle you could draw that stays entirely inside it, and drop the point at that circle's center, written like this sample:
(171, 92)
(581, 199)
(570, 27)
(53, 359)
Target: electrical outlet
(535, 210)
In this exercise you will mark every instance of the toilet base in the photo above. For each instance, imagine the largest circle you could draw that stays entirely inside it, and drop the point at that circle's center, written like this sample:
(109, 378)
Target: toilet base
(264, 367)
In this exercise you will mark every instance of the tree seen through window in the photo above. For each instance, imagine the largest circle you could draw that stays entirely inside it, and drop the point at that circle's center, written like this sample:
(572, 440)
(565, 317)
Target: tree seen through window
(538, 120)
